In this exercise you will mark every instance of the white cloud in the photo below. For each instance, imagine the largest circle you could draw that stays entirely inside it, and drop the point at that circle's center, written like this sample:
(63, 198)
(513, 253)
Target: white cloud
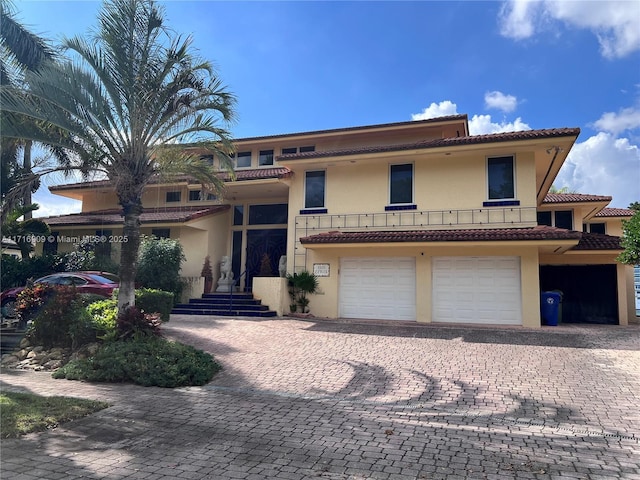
(51, 205)
(614, 23)
(435, 110)
(603, 165)
(626, 119)
(482, 124)
(500, 101)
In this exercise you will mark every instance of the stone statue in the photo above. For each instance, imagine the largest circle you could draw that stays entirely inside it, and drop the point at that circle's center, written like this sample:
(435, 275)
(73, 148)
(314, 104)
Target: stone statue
(282, 266)
(225, 282)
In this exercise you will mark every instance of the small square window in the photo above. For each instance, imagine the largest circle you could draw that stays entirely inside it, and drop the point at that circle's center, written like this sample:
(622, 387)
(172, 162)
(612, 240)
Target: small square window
(290, 150)
(173, 197)
(501, 181)
(597, 228)
(401, 184)
(544, 218)
(243, 159)
(564, 219)
(266, 158)
(161, 232)
(195, 195)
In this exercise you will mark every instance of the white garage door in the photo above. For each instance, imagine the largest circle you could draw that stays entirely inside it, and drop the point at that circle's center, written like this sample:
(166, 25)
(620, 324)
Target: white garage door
(477, 290)
(378, 288)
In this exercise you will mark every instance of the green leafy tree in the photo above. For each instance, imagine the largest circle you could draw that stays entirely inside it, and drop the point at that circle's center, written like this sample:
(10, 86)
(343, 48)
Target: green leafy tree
(631, 237)
(131, 100)
(159, 265)
(23, 231)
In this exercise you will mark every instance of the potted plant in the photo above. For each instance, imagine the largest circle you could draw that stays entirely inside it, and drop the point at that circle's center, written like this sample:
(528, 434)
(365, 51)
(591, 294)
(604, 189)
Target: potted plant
(207, 273)
(300, 285)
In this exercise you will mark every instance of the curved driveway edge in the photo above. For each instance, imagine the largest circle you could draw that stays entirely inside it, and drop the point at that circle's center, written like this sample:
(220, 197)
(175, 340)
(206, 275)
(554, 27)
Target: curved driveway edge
(336, 400)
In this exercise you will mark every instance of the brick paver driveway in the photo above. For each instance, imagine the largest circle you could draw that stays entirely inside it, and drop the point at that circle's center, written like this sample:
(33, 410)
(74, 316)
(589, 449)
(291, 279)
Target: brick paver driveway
(330, 400)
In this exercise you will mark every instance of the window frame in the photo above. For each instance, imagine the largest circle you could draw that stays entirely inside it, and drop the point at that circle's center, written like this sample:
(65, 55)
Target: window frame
(324, 190)
(178, 192)
(265, 154)
(413, 186)
(246, 154)
(513, 178)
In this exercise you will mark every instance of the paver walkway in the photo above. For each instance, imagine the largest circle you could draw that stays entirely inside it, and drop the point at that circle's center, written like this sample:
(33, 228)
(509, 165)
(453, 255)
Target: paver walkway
(331, 400)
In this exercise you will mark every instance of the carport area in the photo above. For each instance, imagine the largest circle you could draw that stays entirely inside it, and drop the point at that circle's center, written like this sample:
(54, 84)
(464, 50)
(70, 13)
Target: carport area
(590, 293)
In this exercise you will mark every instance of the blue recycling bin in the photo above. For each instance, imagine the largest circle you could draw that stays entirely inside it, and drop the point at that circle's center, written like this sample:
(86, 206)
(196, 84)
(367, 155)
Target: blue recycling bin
(550, 307)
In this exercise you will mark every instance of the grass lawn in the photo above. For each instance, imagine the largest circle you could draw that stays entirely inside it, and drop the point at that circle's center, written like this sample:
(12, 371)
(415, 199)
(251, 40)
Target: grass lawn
(22, 413)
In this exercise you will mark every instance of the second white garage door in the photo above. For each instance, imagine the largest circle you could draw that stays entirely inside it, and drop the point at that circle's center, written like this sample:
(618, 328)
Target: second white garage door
(477, 290)
(378, 288)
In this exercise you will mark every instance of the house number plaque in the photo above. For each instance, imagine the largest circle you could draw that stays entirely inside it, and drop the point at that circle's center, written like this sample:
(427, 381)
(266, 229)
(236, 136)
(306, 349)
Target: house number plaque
(321, 269)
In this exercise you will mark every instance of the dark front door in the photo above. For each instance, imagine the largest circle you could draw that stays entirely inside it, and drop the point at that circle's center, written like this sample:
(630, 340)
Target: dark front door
(590, 293)
(272, 242)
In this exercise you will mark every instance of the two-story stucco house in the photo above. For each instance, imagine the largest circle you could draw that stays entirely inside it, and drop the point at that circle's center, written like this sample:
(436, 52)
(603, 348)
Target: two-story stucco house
(415, 221)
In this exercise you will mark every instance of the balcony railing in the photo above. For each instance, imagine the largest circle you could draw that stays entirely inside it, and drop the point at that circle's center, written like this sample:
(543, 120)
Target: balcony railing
(492, 217)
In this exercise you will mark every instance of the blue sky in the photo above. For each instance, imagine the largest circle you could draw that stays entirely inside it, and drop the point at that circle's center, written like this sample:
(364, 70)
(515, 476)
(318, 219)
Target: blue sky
(300, 66)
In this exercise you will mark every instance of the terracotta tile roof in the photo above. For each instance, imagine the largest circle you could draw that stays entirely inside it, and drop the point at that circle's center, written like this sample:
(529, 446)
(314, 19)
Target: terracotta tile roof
(598, 241)
(149, 215)
(442, 142)
(471, 235)
(574, 198)
(615, 212)
(447, 118)
(241, 175)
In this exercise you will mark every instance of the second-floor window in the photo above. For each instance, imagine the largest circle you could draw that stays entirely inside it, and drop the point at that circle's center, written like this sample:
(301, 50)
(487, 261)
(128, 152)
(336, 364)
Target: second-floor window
(594, 228)
(558, 218)
(500, 178)
(173, 197)
(243, 159)
(197, 195)
(266, 157)
(401, 184)
(314, 187)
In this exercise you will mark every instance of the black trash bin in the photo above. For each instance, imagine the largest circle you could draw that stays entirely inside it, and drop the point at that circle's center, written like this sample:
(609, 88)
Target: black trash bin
(550, 305)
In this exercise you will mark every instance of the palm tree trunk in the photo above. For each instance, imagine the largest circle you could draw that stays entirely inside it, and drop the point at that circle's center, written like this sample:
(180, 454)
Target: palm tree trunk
(129, 254)
(26, 164)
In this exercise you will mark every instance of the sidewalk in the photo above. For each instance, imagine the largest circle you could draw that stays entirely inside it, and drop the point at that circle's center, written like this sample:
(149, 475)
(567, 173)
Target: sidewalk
(331, 400)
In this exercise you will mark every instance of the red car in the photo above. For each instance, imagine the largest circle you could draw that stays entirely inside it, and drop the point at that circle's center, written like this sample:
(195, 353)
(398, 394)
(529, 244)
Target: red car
(99, 283)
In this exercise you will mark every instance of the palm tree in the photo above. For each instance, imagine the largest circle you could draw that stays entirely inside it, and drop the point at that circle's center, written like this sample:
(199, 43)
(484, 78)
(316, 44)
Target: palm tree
(133, 94)
(21, 231)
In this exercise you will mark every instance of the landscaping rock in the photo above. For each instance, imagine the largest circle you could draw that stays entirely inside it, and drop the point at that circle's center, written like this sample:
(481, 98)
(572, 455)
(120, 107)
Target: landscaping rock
(9, 360)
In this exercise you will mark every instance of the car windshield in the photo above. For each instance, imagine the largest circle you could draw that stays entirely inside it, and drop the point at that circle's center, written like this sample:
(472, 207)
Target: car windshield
(100, 278)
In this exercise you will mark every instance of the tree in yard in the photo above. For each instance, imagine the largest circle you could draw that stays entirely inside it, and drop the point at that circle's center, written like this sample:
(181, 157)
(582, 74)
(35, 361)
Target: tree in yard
(132, 94)
(631, 237)
(22, 231)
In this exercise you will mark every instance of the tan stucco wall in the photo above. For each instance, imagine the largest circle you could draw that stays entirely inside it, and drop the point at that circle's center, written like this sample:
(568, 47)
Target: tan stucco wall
(273, 292)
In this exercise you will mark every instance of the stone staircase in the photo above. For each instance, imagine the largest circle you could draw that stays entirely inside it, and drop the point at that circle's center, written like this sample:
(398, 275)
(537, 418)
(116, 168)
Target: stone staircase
(224, 304)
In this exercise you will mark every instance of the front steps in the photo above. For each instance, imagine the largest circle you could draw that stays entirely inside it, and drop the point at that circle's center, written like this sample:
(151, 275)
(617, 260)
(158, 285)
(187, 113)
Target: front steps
(224, 304)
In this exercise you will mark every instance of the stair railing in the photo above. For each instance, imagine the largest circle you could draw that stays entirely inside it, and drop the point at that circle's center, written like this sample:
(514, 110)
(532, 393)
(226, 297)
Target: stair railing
(233, 287)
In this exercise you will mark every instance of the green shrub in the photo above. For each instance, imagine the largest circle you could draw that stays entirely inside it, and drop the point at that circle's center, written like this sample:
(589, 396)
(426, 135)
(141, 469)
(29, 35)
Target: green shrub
(155, 301)
(104, 314)
(59, 317)
(16, 271)
(148, 361)
(159, 262)
(134, 323)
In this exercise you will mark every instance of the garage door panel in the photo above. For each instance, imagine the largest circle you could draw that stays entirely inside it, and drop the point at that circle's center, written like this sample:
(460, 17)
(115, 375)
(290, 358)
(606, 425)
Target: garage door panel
(477, 290)
(372, 287)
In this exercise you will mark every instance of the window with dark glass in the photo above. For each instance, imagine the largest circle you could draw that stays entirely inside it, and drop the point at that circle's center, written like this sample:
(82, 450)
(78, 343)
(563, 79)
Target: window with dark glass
(544, 218)
(314, 187)
(173, 197)
(597, 228)
(310, 148)
(401, 184)
(564, 219)
(161, 232)
(265, 158)
(268, 214)
(51, 247)
(287, 151)
(195, 195)
(103, 248)
(500, 178)
(207, 158)
(243, 159)
(238, 214)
